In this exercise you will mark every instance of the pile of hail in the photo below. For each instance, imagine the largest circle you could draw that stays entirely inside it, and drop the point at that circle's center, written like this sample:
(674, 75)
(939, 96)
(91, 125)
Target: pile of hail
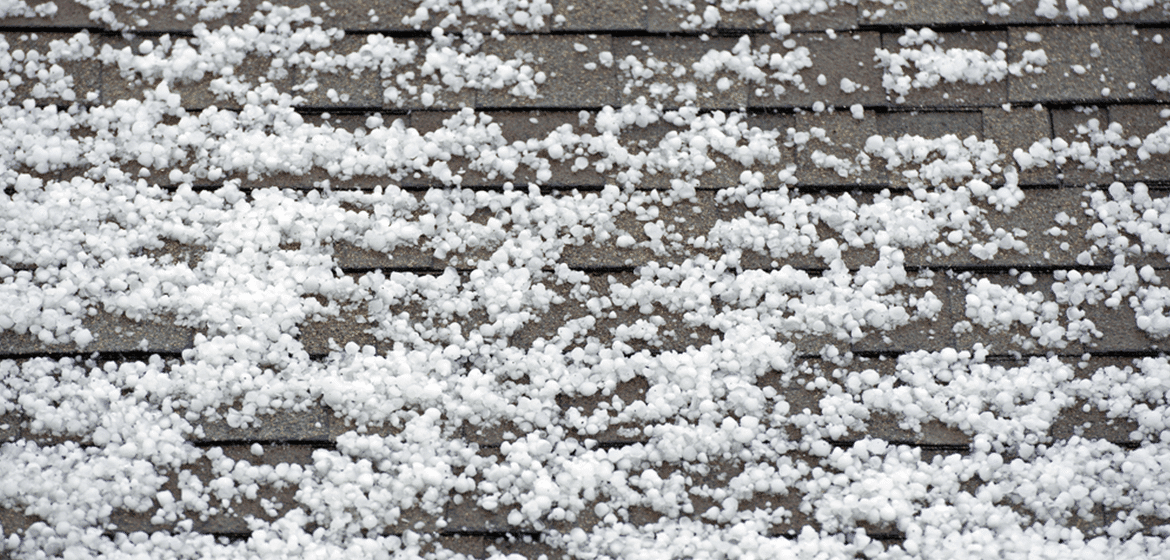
(662, 419)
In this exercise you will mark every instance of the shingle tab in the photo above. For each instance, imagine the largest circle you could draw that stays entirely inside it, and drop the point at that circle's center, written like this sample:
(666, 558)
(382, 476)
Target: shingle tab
(9, 427)
(662, 70)
(233, 517)
(986, 314)
(1155, 43)
(574, 75)
(474, 546)
(521, 128)
(320, 336)
(159, 17)
(356, 15)
(286, 425)
(841, 159)
(926, 12)
(844, 62)
(1119, 330)
(118, 83)
(931, 124)
(838, 16)
(69, 13)
(1077, 71)
(599, 15)
(111, 333)
(924, 330)
(1142, 123)
(1019, 129)
(964, 90)
(1116, 143)
(664, 18)
(36, 72)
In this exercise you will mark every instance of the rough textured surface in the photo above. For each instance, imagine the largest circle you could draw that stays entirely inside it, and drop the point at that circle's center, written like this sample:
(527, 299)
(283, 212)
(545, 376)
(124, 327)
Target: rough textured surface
(763, 222)
(1074, 71)
(112, 333)
(671, 79)
(286, 426)
(1019, 130)
(926, 12)
(847, 55)
(569, 82)
(1155, 44)
(952, 93)
(599, 15)
(118, 84)
(36, 67)
(995, 335)
(847, 137)
(1140, 121)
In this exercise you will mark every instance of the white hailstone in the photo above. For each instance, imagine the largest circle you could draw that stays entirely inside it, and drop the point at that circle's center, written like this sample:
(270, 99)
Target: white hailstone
(246, 294)
(933, 65)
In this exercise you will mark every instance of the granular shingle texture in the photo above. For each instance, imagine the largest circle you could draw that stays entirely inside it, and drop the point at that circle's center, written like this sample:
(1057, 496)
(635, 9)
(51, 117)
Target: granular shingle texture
(584, 279)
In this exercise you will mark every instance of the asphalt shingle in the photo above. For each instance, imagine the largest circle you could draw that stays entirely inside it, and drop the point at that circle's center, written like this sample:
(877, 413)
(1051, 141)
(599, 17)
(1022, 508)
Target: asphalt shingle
(575, 77)
(837, 158)
(961, 91)
(662, 70)
(1085, 64)
(842, 71)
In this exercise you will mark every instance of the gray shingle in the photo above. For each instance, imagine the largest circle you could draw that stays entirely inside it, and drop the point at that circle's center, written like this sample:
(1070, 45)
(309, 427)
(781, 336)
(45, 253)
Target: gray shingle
(847, 136)
(523, 546)
(111, 333)
(1107, 71)
(1141, 121)
(599, 15)
(673, 19)
(1089, 422)
(320, 172)
(355, 15)
(569, 82)
(521, 127)
(1020, 129)
(70, 13)
(919, 333)
(1119, 329)
(1000, 337)
(931, 124)
(682, 221)
(662, 71)
(232, 519)
(342, 88)
(319, 336)
(847, 56)
(927, 12)
(1124, 162)
(26, 78)
(1155, 43)
(117, 84)
(841, 16)
(155, 18)
(957, 93)
(287, 425)
(350, 256)
(9, 427)
(1074, 125)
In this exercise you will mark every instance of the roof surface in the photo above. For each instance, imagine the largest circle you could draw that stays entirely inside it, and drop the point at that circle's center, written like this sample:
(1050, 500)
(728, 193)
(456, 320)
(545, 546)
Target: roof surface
(585, 278)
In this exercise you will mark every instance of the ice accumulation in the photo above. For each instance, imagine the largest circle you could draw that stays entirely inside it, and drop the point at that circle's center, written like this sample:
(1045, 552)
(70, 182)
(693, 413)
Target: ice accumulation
(723, 373)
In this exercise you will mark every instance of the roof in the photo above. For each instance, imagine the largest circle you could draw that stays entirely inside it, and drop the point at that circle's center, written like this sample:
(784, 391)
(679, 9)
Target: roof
(586, 278)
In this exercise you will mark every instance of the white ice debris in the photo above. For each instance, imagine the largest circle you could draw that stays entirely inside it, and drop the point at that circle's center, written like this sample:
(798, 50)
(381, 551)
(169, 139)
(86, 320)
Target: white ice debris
(730, 364)
(932, 64)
